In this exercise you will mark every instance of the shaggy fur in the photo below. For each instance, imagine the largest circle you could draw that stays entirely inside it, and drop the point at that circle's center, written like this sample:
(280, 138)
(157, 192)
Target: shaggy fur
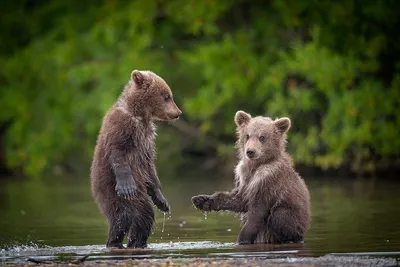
(123, 174)
(272, 198)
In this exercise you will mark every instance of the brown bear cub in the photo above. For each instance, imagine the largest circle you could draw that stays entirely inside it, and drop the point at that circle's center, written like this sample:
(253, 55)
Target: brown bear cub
(123, 175)
(272, 198)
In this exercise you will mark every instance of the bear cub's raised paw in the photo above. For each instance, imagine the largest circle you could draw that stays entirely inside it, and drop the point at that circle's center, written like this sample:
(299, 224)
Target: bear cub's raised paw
(202, 202)
(126, 189)
(161, 203)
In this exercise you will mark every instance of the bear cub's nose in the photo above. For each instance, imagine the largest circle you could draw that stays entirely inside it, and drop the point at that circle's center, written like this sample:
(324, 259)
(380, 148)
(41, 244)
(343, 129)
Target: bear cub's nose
(250, 153)
(179, 114)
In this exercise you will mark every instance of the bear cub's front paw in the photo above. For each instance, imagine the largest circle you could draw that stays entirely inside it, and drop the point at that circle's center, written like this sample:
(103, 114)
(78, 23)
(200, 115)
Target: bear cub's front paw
(202, 202)
(162, 204)
(125, 189)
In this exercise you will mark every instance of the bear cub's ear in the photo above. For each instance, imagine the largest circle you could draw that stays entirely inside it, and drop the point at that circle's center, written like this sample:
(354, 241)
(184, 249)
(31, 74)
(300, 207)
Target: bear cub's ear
(283, 124)
(138, 77)
(242, 118)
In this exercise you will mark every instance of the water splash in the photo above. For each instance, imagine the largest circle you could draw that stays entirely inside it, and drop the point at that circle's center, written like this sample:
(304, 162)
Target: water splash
(205, 215)
(163, 224)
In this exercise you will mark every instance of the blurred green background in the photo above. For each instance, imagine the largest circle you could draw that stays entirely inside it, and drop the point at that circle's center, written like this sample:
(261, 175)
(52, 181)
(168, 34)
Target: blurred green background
(333, 67)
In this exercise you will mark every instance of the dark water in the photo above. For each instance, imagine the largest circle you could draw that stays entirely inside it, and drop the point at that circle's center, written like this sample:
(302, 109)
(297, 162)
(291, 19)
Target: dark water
(56, 217)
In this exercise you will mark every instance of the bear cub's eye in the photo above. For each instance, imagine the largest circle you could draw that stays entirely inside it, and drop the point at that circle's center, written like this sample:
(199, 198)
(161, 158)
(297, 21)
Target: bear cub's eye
(247, 136)
(167, 97)
(262, 138)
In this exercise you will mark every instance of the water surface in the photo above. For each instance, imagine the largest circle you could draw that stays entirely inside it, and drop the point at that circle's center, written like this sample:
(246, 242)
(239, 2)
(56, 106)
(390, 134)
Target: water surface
(56, 216)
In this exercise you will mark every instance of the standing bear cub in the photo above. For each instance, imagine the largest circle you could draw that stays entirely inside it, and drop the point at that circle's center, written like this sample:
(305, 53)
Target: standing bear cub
(272, 198)
(123, 174)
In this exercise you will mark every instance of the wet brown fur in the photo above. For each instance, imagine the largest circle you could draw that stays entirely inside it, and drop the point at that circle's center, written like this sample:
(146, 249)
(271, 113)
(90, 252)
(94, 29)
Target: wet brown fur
(271, 196)
(123, 176)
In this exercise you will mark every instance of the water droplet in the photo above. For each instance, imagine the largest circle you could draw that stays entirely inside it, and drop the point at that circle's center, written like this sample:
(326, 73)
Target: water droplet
(180, 225)
(229, 230)
(205, 215)
(163, 224)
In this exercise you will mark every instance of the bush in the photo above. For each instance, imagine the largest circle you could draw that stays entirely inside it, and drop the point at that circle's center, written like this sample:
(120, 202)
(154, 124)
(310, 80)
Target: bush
(332, 67)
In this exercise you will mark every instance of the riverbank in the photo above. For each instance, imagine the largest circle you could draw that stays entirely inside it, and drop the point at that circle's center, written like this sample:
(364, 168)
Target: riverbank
(328, 260)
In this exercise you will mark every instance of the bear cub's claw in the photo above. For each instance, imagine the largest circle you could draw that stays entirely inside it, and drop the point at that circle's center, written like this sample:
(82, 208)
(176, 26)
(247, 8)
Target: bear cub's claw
(125, 189)
(202, 202)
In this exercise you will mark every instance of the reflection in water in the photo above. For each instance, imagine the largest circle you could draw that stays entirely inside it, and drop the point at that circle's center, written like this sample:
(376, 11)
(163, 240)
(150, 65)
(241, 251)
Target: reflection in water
(58, 216)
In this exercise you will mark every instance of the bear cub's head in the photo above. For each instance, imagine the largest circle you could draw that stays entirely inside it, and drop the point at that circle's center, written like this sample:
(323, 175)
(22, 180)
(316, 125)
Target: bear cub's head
(261, 138)
(150, 96)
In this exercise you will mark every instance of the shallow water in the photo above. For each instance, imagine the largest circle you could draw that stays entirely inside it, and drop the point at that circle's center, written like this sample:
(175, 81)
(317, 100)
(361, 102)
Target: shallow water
(56, 217)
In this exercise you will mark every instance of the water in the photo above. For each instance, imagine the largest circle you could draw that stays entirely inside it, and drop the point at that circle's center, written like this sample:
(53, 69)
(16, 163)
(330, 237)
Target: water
(163, 224)
(56, 217)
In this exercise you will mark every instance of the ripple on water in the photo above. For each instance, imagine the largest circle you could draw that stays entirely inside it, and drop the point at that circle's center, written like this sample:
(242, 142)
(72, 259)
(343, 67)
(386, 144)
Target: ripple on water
(22, 252)
(204, 249)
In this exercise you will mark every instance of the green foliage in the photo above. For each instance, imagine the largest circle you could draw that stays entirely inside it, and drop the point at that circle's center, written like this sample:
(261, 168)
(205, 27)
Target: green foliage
(332, 67)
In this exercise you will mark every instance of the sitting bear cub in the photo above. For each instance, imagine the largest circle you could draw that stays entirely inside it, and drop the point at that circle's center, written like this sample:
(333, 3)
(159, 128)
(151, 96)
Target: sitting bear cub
(272, 198)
